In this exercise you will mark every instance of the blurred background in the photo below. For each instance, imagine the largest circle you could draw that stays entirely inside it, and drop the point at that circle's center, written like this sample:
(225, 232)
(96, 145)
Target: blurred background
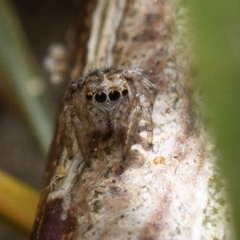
(35, 26)
(30, 96)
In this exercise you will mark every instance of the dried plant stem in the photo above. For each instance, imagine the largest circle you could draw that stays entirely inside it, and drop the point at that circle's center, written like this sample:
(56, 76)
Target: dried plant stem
(169, 191)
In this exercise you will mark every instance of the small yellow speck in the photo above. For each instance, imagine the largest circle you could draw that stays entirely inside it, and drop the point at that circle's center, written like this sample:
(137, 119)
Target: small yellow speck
(61, 171)
(159, 160)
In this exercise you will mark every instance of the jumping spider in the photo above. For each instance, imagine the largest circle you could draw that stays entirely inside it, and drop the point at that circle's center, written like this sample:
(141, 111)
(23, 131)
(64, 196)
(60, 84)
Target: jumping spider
(107, 99)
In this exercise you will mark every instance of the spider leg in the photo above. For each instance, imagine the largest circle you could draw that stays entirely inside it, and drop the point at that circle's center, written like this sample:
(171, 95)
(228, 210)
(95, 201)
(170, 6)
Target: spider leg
(68, 131)
(150, 133)
(140, 80)
(73, 125)
(142, 110)
(81, 137)
(149, 123)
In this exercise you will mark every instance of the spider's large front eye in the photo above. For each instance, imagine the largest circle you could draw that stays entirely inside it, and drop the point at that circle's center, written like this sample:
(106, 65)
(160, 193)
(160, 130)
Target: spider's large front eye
(124, 92)
(89, 96)
(114, 95)
(101, 97)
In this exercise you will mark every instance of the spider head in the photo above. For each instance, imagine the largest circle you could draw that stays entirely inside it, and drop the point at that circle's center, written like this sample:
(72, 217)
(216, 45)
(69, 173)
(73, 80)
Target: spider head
(105, 88)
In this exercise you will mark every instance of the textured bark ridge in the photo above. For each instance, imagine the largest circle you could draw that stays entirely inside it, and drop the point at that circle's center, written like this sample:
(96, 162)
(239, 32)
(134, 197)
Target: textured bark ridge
(171, 191)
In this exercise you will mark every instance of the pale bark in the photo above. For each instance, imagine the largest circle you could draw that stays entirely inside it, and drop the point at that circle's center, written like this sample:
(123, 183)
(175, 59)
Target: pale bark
(167, 192)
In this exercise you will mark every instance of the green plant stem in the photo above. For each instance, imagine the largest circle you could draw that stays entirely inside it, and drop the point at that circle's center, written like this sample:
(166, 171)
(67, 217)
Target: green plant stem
(216, 25)
(22, 83)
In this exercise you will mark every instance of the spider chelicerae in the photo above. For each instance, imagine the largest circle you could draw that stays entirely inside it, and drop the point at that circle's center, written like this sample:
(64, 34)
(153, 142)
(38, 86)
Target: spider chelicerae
(108, 99)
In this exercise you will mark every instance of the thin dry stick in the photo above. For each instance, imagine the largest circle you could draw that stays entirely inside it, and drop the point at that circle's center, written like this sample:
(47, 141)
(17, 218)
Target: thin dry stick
(167, 192)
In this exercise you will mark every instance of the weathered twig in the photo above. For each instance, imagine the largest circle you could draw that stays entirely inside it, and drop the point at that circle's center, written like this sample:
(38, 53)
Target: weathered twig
(165, 192)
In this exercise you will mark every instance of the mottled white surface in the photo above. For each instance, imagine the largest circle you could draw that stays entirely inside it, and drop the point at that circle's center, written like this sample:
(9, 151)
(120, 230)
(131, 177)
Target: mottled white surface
(171, 191)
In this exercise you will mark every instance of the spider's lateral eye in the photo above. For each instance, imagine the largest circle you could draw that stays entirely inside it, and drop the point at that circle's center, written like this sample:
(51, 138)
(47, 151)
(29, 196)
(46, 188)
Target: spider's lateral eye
(89, 96)
(125, 92)
(68, 99)
(101, 97)
(72, 88)
(114, 95)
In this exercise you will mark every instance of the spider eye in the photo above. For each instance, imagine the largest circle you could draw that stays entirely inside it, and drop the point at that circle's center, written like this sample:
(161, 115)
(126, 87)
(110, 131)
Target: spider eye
(68, 99)
(124, 92)
(114, 95)
(101, 97)
(89, 96)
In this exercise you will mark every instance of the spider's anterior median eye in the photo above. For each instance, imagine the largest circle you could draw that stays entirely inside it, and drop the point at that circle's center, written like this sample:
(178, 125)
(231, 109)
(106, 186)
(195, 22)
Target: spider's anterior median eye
(89, 96)
(101, 97)
(124, 92)
(114, 95)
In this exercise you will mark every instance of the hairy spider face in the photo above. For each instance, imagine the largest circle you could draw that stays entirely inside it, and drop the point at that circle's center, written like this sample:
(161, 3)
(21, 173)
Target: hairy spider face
(105, 88)
(107, 99)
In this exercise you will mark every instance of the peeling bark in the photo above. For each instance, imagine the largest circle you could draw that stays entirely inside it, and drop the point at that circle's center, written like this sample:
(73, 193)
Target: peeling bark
(171, 191)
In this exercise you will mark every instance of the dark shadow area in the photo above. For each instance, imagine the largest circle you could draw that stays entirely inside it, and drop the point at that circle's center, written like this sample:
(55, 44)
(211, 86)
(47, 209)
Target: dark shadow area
(44, 23)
